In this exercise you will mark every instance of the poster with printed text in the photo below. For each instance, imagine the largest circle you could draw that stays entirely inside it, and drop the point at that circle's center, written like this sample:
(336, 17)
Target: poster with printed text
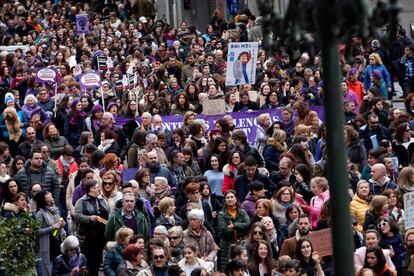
(241, 63)
(409, 210)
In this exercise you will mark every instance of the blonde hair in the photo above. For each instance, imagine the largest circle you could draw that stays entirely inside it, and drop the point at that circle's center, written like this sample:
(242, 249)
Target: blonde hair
(165, 203)
(123, 235)
(279, 135)
(376, 57)
(262, 117)
(376, 203)
(302, 129)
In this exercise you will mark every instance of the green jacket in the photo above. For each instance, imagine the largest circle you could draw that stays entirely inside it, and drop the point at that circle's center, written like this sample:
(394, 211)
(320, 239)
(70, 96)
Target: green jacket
(116, 221)
(231, 236)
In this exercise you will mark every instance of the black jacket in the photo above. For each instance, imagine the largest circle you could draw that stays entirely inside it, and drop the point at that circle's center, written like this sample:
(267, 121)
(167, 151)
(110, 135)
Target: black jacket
(241, 185)
(62, 266)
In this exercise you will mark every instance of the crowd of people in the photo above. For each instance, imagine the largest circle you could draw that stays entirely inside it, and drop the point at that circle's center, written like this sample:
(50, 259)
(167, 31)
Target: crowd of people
(202, 200)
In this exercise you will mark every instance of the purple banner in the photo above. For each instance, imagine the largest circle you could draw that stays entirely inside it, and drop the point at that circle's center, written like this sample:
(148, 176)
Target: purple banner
(243, 120)
(82, 23)
(45, 75)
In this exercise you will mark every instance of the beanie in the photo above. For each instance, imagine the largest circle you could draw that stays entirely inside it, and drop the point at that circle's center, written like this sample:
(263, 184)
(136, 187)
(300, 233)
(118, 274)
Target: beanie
(8, 98)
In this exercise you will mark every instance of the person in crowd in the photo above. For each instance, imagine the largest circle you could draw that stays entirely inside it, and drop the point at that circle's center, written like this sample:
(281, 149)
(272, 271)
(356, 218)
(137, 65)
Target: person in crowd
(133, 261)
(36, 171)
(71, 261)
(177, 243)
(262, 262)
(375, 260)
(320, 188)
(380, 181)
(129, 217)
(50, 233)
(91, 212)
(359, 204)
(114, 256)
(377, 209)
(275, 147)
(168, 217)
(233, 223)
(196, 234)
(190, 261)
(232, 169)
(304, 228)
(54, 141)
(256, 192)
(309, 259)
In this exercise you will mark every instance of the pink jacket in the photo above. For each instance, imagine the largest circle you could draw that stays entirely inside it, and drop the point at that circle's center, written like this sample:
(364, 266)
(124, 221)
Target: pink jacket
(316, 204)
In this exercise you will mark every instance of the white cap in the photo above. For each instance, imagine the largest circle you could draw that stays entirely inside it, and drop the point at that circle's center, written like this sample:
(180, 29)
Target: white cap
(143, 19)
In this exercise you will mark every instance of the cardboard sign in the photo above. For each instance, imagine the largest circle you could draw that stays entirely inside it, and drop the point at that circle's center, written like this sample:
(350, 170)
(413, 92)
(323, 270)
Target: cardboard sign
(409, 210)
(241, 63)
(82, 23)
(90, 80)
(46, 75)
(322, 242)
(214, 107)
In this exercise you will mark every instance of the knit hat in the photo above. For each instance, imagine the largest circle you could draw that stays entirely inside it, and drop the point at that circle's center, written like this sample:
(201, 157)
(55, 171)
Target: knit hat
(105, 82)
(352, 72)
(8, 98)
(97, 108)
(111, 104)
(376, 74)
(74, 103)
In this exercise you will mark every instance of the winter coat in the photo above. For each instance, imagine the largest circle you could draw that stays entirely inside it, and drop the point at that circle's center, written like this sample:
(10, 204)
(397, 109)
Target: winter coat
(239, 106)
(316, 205)
(261, 138)
(357, 154)
(72, 132)
(230, 173)
(56, 145)
(381, 133)
(376, 188)
(62, 265)
(113, 258)
(384, 73)
(26, 177)
(271, 155)
(126, 269)
(162, 220)
(404, 154)
(249, 205)
(241, 185)
(358, 208)
(358, 88)
(371, 219)
(116, 221)
(231, 236)
(204, 241)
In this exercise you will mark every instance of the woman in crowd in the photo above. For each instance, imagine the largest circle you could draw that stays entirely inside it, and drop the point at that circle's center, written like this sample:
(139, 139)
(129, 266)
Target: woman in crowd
(10, 189)
(146, 188)
(90, 209)
(233, 224)
(177, 243)
(71, 261)
(232, 169)
(291, 214)
(303, 178)
(309, 259)
(273, 236)
(275, 147)
(54, 141)
(262, 263)
(215, 175)
(168, 217)
(114, 256)
(356, 151)
(133, 261)
(86, 138)
(320, 188)
(108, 142)
(375, 260)
(359, 204)
(263, 124)
(94, 120)
(403, 144)
(50, 233)
(210, 199)
(377, 209)
(17, 164)
(191, 261)
(283, 199)
(74, 123)
(391, 238)
(395, 210)
(256, 233)
(109, 190)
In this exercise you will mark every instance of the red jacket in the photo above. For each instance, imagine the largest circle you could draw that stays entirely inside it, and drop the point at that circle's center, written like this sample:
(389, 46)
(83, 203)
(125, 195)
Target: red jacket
(228, 182)
(73, 167)
(358, 88)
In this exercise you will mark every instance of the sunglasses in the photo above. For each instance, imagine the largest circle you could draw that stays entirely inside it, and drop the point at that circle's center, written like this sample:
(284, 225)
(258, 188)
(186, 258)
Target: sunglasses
(174, 238)
(159, 257)
(257, 232)
(382, 224)
(107, 183)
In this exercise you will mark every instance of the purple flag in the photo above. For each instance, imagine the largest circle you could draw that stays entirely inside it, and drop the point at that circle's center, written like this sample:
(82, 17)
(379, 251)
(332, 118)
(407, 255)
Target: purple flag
(82, 23)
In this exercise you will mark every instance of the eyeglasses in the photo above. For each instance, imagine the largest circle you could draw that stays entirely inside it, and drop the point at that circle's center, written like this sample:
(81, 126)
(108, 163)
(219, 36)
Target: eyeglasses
(158, 257)
(174, 238)
(257, 232)
(382, 224)
(107, 183)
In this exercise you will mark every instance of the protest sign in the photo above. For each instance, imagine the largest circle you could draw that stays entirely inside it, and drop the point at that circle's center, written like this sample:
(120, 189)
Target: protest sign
(90, 80)
(322, 242)
(241, 63)
(243, 120)
(214, 107)
(46, 75)
(82, 23)
(409, 210)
